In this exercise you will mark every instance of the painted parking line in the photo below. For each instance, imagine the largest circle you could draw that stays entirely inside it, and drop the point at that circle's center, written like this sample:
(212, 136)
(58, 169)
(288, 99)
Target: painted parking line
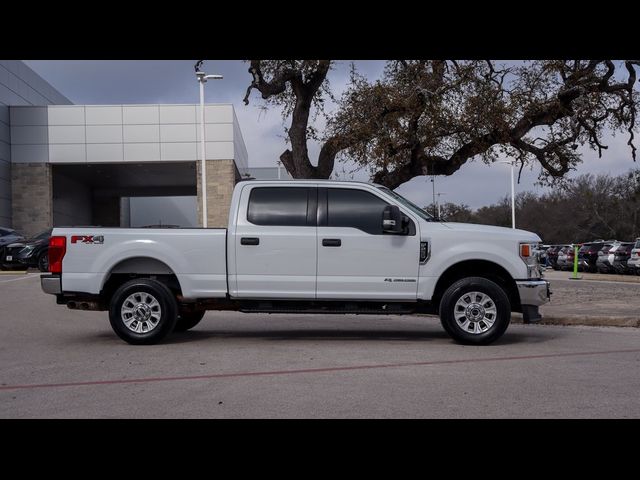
(13, 272)
(19, 278)
(214, 376)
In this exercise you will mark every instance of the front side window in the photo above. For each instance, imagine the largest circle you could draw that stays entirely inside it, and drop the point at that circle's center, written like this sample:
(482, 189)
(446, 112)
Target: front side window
(356, 209)
(278, 206)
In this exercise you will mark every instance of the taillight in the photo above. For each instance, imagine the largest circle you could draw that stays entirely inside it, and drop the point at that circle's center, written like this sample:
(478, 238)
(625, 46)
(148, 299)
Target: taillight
(57, 249)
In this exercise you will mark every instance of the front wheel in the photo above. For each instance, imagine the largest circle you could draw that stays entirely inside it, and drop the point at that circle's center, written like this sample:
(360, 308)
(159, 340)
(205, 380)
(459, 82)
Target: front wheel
(143, 311)
(475, 311)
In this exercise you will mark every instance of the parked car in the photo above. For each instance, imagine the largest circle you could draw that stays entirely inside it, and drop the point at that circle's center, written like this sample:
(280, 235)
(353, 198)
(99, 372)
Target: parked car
(33, 252)
(541, 252)
(588, 256)
(565, 258)
(606, 264)
(634, 261)
(602, 260)
(7, 236)
(621, 257)
(552, 255)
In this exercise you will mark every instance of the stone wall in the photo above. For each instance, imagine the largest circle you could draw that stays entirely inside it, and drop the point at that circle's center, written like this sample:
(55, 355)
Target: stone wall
(32, 197)
(222, 176)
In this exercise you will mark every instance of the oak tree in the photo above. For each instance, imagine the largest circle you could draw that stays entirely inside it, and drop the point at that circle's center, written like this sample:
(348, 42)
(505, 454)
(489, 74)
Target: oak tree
(430, 117)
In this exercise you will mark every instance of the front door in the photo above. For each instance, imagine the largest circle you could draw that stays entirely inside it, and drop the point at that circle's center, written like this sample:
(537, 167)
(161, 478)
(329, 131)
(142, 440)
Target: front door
(275, 243)
(356, 260)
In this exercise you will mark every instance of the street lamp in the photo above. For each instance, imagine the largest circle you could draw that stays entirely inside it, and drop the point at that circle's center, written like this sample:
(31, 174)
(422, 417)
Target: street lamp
(513, 198)
(438, 194)
(202, 79)
(433, 185)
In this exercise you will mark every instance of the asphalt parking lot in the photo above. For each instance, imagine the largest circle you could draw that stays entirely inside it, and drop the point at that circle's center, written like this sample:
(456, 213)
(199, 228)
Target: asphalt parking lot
(57, 363)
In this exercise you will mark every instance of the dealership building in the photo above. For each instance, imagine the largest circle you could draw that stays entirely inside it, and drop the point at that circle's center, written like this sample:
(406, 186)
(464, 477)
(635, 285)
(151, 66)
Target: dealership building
(63, 164)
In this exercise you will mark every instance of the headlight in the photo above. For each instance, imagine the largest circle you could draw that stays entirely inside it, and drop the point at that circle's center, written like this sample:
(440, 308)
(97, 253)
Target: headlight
(26, 250)
(529, 256)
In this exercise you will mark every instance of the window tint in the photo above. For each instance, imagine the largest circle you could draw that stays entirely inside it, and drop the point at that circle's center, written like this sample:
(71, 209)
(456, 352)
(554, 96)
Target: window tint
(283, 206)
(355, 208)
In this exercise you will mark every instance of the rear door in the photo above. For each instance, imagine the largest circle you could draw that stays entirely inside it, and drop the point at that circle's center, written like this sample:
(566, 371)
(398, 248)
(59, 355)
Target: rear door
(275, 242)
(356, 260)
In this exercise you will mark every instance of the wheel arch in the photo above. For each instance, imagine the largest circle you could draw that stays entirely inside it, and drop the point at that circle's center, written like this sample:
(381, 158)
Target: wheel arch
(139, 267)
(477, 268)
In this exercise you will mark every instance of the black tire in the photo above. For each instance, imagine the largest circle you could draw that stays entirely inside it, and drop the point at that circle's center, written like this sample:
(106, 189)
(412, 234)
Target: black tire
(162, 317)
(498, 303)
(188, 320)
(43, 261)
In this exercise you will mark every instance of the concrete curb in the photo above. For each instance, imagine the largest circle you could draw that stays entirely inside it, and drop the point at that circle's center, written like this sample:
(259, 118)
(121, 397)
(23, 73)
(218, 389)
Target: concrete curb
(592, 321)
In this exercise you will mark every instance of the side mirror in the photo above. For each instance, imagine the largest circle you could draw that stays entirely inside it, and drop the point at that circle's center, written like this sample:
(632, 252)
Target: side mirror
(392, 221)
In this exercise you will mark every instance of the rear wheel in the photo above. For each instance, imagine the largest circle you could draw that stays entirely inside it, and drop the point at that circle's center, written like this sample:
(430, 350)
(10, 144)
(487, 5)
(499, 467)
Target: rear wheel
(188, 320)
(143, 311)
(475, 311)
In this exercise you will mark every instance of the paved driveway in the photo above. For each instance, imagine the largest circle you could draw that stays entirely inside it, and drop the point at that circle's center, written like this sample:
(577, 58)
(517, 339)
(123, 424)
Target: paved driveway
(58, 363)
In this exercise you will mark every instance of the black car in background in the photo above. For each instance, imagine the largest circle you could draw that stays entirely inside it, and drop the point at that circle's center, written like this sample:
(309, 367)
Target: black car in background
(7, 236)
(33, 252)
(588, 256)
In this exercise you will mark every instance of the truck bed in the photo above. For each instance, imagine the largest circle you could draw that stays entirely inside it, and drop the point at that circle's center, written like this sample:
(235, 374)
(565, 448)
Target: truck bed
(196, 256)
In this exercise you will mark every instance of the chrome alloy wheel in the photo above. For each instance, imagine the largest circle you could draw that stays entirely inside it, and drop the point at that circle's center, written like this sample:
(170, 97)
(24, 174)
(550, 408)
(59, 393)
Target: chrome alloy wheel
(475, 312)
(141, 312)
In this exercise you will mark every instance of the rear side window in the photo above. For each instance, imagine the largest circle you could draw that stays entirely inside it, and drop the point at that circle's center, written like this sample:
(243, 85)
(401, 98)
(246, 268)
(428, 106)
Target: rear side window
(356, 209)
(637, 245)
(278, 206)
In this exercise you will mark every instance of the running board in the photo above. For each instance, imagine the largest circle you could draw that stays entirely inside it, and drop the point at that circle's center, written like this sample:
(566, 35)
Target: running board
(284, 306)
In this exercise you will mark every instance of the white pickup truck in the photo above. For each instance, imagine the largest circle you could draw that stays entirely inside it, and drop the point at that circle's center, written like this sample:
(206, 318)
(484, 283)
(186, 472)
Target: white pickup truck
(305, 246)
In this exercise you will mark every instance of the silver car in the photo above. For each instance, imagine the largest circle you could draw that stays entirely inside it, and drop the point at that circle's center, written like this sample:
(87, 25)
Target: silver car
(634, 262)
(565, 258)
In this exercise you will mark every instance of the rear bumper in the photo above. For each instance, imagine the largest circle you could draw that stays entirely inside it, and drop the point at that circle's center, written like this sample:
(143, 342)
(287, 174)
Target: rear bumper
(51, 284)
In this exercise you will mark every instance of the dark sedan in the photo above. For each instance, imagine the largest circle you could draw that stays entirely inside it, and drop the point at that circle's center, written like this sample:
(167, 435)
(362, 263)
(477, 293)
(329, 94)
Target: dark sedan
(8, 235)
(33, 252)
(588, 256)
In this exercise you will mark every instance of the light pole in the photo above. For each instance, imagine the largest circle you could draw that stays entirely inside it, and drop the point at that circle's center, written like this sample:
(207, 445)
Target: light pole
(433, 184)
(513, 198)
(202, 79)
(439, 193)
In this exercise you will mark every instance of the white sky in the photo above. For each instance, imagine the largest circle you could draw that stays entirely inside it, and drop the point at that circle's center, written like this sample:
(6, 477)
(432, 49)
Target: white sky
(173, 81)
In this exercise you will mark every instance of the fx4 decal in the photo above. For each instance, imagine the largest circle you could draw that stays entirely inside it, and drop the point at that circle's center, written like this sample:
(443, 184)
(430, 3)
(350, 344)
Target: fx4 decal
(95, 239)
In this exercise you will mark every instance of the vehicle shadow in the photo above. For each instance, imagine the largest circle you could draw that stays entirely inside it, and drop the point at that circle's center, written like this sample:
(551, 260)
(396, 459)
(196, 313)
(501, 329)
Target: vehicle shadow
(334, 335)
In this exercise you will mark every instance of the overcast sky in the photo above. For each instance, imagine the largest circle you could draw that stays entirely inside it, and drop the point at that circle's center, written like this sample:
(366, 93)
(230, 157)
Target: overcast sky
(125, 82)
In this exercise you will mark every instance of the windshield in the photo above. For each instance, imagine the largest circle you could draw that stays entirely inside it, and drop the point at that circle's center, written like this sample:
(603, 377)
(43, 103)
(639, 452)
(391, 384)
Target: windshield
(411, 206)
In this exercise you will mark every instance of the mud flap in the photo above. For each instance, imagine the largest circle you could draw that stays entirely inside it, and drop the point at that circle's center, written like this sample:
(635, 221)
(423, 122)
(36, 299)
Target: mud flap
(530, 314)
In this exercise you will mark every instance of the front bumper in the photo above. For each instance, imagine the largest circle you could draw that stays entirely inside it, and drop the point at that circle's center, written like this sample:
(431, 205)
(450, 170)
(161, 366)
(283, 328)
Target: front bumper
(534, 292)
(51, 284)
